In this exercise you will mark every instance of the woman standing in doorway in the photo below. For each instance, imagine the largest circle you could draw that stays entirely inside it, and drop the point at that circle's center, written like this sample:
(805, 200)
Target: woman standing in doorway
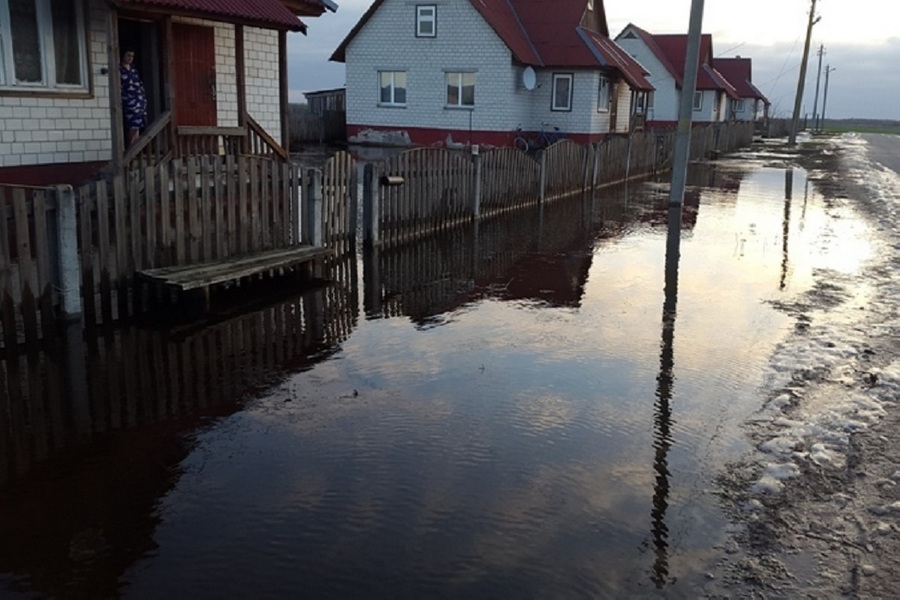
(134, 99)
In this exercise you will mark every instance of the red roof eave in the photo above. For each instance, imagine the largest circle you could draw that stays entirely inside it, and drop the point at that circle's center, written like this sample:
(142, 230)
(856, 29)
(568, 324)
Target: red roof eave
(271, 14)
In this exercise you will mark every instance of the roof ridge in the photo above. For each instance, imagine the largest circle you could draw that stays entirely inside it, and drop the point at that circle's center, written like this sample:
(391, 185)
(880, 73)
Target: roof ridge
(521, 25)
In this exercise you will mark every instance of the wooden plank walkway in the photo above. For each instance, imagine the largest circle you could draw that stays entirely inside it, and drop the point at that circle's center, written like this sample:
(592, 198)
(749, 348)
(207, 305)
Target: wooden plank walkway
(207, 274)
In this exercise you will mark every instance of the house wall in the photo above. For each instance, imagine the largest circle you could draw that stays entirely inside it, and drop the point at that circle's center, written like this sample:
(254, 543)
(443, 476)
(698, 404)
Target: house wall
(46, 130)
(261, 73)
(464, 42)
(263, 90)
(623, 112)
(53, 130)
(666, 97)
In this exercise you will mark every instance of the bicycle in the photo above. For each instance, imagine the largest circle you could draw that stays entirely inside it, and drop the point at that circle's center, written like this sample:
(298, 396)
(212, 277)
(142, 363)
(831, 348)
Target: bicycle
(544, 138)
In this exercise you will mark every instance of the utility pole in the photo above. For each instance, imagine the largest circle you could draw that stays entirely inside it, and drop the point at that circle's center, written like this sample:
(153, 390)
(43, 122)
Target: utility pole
(798, 99)
(686, 107)
(828, 70)
(816, 101)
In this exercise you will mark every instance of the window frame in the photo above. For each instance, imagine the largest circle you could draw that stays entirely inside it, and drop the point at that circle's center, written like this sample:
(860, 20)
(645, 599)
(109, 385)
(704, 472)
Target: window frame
(557, 77)
(600, 87)
(422, 19)
(48, 85)
(460, 87)
(738, 105)
(698, 100)
(392, 103)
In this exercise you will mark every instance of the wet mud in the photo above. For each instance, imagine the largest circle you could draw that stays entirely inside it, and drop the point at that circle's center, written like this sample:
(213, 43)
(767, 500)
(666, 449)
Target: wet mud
(830, 528)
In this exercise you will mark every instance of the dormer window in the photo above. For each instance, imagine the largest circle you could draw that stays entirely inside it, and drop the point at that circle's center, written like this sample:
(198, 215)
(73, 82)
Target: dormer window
(426, 20)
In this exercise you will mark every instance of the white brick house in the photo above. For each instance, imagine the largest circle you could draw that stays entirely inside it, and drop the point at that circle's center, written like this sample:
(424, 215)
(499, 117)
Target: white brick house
(203, 63)
(467, 71)
(664, 57)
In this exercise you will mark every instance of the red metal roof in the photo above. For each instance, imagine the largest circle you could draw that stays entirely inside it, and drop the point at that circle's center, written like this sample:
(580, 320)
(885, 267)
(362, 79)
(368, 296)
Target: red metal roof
(671, 50)
(258, 12)
(738, 71)
(545, 33)
(613, 55)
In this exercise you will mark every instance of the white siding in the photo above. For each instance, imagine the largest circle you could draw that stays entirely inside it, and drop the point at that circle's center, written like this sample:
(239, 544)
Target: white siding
(666, 96)
(463, 42)
(40, 130)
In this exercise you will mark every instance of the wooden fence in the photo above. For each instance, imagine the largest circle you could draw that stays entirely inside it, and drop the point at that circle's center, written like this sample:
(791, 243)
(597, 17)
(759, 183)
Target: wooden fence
(425, 190)
(213, 208)
(197, 210)
(121, 378)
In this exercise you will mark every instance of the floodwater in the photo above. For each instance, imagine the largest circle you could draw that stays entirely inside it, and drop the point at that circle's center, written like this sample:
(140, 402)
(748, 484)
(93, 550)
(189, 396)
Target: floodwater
(527, 408)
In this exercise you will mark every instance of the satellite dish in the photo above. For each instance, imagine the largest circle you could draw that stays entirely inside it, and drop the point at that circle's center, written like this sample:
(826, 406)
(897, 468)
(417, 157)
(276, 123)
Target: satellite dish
(529, 79)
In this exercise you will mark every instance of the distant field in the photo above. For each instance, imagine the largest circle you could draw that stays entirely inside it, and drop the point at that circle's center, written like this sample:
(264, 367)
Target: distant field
(862, 126)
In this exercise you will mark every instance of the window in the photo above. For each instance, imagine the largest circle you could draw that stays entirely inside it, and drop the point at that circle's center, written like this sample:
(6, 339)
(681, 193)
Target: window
(392, 86)
(460, 89)
(603, 96)
(698, 100)
(562, 91)
(426, 21)
(42, 45)
(738, 105)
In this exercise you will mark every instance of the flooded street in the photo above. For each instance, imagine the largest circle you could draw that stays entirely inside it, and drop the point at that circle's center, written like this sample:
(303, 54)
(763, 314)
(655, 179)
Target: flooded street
(526, 408)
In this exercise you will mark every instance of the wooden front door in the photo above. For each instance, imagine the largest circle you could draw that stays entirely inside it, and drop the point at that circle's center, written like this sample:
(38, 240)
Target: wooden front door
(195, 75)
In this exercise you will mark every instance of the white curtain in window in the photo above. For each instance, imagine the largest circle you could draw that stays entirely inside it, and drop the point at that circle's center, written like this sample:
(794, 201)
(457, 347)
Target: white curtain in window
(25, 41)
(65, 42)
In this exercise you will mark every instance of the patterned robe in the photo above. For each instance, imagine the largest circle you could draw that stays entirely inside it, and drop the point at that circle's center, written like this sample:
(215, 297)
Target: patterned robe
(134, 100)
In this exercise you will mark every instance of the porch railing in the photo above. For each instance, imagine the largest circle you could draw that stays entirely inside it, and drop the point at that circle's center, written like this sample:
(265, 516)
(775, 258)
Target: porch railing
(163, 141)
(153, 147)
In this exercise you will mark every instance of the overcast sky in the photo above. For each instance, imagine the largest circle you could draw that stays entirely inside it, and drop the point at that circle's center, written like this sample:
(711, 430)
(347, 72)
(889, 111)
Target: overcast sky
(861, 39)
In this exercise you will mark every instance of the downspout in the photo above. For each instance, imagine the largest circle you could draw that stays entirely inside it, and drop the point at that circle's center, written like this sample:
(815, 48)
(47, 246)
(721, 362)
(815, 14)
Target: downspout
(283, 85)
(115, 89)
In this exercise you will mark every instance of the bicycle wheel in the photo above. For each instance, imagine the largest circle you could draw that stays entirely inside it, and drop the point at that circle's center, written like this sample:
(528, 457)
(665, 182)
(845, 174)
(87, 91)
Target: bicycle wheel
(521, 144)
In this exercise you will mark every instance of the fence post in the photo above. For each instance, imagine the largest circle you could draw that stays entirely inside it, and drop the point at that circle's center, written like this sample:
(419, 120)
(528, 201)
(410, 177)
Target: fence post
(67, 254)
(476, 162)
(628, 157)
(543, 191)
(313, 209)
(371, 208)
(596, 177)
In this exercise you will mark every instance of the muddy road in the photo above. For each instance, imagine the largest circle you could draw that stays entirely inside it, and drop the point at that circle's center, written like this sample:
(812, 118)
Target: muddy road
(819, 498)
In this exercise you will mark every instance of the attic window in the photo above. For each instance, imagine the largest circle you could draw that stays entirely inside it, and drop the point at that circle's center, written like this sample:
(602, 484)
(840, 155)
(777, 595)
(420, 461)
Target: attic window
(426, 20)
(629, 36)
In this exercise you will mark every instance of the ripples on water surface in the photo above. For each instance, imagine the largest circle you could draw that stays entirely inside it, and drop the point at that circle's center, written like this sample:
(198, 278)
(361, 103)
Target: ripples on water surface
(500, 414)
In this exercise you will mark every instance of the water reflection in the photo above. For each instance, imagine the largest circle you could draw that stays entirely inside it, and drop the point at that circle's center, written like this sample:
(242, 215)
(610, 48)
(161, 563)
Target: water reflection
(662, 414)
(531, 475)
(92, 433)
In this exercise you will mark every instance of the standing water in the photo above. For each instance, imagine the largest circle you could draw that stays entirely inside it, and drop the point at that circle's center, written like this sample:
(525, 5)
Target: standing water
(520, 409)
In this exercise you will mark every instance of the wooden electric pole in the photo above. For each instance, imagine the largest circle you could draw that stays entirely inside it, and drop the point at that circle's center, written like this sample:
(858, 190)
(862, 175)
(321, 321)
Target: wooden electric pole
(828, 70)
(798, 100)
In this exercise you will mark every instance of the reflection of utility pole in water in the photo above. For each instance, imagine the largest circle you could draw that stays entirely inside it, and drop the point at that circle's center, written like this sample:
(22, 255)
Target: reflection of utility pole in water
(786, 225)
(663, 411)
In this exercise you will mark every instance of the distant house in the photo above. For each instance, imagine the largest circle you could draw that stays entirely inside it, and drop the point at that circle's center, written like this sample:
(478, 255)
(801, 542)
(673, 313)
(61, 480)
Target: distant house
(211, 68)
(324, 101)
(752, 104)
(470, 71)
(664, 57)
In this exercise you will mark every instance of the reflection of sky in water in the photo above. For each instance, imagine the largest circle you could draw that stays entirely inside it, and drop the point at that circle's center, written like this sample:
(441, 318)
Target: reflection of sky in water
(512, 451)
